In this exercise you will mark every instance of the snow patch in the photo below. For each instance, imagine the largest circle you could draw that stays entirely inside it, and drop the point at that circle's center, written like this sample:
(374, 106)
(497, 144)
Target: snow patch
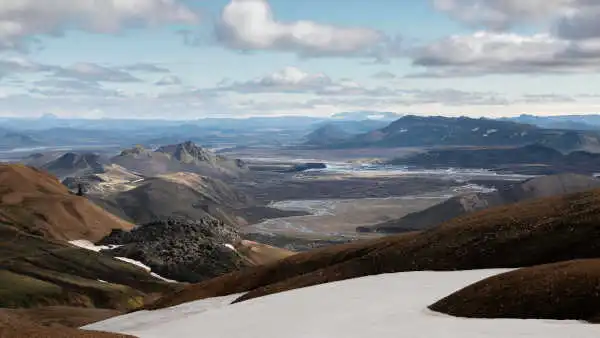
(229, 246)
(475, 129)
(134, 262)
(85, 244)
(490, 132)
(382, 306)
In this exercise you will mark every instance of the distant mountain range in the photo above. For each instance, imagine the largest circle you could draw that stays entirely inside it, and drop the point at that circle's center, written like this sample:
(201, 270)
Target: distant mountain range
(339, 131)
(380, 129)
(417, 131)
(574, 122)
(532, 159)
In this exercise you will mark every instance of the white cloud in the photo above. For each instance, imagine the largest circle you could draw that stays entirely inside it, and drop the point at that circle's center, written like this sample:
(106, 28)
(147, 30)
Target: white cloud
(169, 80)
(86, 71)
(250, 25)
(506, 53)
(289, 79)
(20, 19)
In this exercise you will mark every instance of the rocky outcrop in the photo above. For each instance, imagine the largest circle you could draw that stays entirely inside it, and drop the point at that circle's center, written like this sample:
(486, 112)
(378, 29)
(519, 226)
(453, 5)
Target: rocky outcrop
(181, 249)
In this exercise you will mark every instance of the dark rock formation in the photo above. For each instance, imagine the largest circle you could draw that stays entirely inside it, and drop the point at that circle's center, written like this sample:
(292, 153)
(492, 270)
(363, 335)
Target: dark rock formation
(307, 166)
(180, 249)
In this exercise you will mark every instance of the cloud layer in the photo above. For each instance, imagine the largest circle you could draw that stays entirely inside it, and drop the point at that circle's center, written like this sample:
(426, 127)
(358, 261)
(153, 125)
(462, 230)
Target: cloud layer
(26, 18)
(251, 25)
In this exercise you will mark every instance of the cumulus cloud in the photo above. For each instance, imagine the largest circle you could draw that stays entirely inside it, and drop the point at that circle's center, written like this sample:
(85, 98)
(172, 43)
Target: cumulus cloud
(22, 19)
(506, 53)
(250, 25)
(169, 80)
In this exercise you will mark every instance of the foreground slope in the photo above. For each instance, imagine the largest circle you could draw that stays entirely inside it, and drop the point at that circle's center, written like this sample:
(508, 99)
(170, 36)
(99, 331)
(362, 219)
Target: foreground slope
(36, 271)
(526, 234)
(385, 306)
(38, 203)
(13, 326)
(565, 290)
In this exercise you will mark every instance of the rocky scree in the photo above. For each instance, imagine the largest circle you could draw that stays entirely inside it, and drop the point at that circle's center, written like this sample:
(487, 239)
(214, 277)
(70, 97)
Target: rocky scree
(182, 249)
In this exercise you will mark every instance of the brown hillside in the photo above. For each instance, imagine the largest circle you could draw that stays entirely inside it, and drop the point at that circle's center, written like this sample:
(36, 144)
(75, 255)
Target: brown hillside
(18, 327)
(60, 316)
(530, 233)
(37, 272)
(38, 203)
(566, 290)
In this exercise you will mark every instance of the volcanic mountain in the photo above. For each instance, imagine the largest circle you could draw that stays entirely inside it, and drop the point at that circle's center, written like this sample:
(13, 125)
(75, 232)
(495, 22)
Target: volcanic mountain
(185, 156)
(76, 164)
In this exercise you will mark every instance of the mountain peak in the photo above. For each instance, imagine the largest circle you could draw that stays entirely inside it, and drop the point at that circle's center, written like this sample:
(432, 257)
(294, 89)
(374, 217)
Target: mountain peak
(188, 152)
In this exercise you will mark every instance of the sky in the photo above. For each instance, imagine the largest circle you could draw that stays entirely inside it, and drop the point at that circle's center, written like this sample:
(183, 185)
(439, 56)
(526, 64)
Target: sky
(188, 59)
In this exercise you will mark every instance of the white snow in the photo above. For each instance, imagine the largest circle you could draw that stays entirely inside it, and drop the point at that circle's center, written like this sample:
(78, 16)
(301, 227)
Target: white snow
(85, 244)
(134, 262)
(230, 246)
(490, 132)
(475, 129)
(392, 305)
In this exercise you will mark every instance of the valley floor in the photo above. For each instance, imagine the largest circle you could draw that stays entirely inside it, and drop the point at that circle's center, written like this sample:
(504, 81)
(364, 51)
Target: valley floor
(390, 305)
(340, 218)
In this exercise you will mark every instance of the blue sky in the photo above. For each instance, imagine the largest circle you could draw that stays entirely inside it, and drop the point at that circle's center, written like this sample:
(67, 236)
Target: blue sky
(182, 59)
